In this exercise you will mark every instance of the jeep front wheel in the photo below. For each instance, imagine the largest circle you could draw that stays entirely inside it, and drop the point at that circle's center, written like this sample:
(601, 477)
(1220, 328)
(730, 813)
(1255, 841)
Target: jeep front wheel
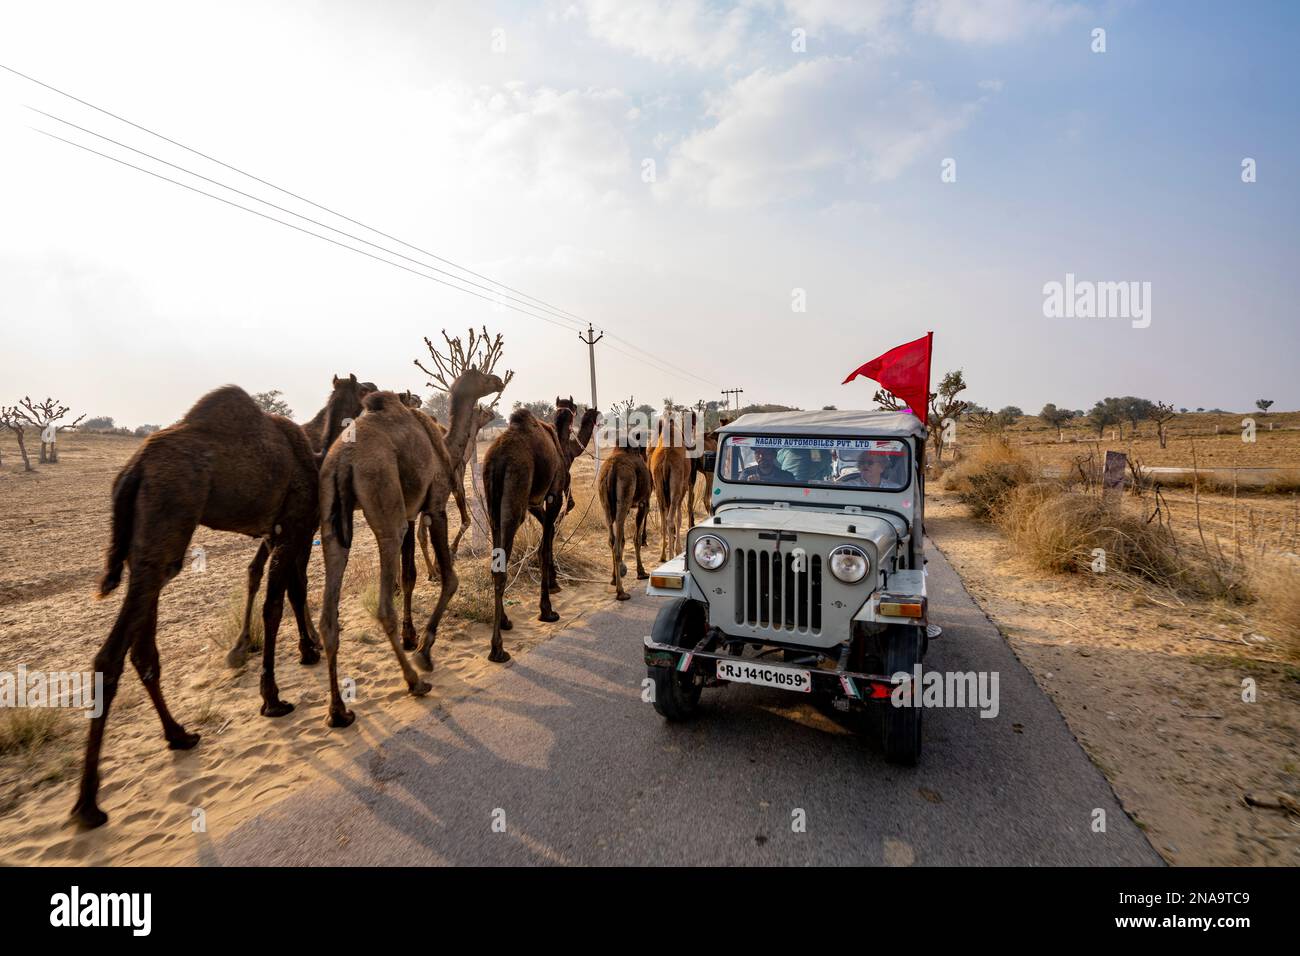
(680, 623)
(900, 727)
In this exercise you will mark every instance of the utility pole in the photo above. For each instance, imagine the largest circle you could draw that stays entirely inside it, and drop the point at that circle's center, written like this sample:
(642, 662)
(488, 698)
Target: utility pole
(591, 339)
(729, 392)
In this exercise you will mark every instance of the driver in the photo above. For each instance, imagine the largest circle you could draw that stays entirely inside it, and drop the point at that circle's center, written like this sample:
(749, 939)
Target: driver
(766, 469)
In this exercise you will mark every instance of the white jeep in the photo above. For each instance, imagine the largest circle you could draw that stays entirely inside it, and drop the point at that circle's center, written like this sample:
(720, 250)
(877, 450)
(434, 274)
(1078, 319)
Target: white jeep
(808, 576)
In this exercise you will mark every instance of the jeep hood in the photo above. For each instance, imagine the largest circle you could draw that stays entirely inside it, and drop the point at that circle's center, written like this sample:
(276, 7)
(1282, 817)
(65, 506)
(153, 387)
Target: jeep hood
(880, 529)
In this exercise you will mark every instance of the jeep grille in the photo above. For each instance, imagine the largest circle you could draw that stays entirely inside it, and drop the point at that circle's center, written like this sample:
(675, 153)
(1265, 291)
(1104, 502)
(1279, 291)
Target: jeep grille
(771, 593)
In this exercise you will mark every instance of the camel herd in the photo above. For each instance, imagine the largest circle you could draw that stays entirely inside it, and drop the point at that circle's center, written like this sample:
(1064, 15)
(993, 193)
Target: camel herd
(230, 466)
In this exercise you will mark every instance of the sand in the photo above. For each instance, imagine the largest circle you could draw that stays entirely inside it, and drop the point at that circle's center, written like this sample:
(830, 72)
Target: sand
(53, 528)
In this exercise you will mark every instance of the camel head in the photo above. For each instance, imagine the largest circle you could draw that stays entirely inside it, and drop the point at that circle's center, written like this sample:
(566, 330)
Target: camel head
(474, 384)
(411, 400)
(568, 403)
(585, 427)
(344, 403)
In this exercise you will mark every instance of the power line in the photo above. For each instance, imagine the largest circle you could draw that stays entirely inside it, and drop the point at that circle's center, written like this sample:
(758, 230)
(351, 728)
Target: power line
(343, 245)
(559, 313)
(332, 212)
(290, 212)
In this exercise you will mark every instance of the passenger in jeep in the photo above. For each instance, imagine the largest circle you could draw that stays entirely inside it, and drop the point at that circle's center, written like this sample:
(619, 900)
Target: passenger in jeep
(766, 469)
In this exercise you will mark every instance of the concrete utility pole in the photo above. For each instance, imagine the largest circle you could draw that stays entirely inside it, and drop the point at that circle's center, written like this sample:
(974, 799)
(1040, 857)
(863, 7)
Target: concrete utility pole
(729, 392)
(591, 339)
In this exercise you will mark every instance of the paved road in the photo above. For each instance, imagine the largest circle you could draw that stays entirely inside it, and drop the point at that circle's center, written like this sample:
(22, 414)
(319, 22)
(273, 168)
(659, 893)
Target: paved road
(562, 749)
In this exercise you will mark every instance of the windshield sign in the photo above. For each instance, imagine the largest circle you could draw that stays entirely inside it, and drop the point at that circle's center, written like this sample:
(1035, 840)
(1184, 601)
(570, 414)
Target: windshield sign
(880, 464)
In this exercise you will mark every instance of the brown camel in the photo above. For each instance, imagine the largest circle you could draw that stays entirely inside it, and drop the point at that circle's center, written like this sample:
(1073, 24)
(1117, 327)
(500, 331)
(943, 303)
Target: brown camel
(670, 470)
(397, 467)
(342, 407)
(525, 472)
(482, 415)
(624, 482)
(573, 447)
(229, 466)
(697, 469)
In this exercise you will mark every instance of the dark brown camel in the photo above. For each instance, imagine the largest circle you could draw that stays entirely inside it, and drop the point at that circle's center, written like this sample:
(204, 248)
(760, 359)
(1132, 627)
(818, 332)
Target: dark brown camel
(397, 467)
(340, 409)
(525, 472)
(624, 483)
(670, 471)
(226, 465)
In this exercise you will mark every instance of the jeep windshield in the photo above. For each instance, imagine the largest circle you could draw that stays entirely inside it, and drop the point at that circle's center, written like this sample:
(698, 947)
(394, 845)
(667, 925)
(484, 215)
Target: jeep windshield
(815, 461)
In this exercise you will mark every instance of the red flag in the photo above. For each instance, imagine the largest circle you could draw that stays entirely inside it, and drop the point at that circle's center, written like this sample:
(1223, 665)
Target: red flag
(905, 371)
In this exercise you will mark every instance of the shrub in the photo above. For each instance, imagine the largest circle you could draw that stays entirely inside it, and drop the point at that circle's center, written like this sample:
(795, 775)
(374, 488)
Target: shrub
(983, 480)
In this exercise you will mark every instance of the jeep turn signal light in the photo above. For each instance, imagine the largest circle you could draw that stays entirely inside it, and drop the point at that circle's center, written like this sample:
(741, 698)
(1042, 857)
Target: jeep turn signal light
(901, 608)
(672, 581)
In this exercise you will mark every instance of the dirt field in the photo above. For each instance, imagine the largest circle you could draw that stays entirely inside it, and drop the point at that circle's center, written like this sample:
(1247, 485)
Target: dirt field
(53, 529)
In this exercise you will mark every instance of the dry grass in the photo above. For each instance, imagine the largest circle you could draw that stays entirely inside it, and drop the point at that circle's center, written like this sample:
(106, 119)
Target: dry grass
(1067, 531)
(1277, 584)
(25, 730)
(232, 622)
(983, 480)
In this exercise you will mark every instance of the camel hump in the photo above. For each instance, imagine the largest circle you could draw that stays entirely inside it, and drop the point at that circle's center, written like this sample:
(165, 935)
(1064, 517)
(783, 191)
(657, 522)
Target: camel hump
(228, 407)
(521, 417)
(382, 402)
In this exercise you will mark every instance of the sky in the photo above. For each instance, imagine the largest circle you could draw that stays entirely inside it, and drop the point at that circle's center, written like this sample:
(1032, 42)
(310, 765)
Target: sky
(760, 195)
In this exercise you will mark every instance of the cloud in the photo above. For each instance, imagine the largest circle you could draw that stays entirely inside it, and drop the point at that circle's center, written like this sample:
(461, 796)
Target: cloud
(546, 143)
(849, 16)
(991, 21)
(833, 120)
(670, 31)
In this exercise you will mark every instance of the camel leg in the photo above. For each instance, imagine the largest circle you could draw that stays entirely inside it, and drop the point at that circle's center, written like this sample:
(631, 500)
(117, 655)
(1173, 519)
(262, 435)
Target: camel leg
(547, 613)
(424, 546)
(272, 611)
(690, 495)
(438, 531)
(620, 569)
(133, 630)
(336, 562)
(408, 587)
(502, 546)
(663, 530)
(309, 643)
(238, 654)
(638, 532)
(391, 544)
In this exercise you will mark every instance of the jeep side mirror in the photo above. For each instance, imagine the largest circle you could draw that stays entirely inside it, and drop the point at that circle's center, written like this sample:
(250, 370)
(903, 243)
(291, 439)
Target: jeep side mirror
(708, 460)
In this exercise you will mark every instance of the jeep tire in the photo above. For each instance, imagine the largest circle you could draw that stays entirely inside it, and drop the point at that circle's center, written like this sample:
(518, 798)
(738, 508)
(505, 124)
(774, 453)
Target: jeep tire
(681, 623)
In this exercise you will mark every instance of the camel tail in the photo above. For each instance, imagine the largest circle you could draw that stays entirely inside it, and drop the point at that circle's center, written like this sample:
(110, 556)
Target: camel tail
(666, 488)
(119, 545)
(343, 505)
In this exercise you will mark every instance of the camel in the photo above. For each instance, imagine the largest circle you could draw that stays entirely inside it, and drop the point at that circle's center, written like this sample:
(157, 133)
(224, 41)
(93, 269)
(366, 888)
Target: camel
(624, 482)
(670, 470)
(396, 468)
(482, 415)
(343, 405)
(229, 466)
(526, 471)
(697, 468)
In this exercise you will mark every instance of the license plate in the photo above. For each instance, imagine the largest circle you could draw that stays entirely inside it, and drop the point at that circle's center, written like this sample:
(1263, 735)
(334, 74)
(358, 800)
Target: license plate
(765, 675)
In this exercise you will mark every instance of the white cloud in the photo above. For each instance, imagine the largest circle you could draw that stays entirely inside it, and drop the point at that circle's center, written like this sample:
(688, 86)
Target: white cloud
(776, 135)
(670, 31)
(991, 21)
(543, 142)
(850, 16)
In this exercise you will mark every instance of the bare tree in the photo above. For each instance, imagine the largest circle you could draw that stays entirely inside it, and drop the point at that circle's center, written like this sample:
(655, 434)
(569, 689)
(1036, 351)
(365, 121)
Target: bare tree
(43, 416)
(479, 350)
(1162, 414)
(17, 423)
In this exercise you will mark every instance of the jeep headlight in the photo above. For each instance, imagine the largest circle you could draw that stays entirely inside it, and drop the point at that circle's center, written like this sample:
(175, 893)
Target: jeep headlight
(849, 564)
(710, 552)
